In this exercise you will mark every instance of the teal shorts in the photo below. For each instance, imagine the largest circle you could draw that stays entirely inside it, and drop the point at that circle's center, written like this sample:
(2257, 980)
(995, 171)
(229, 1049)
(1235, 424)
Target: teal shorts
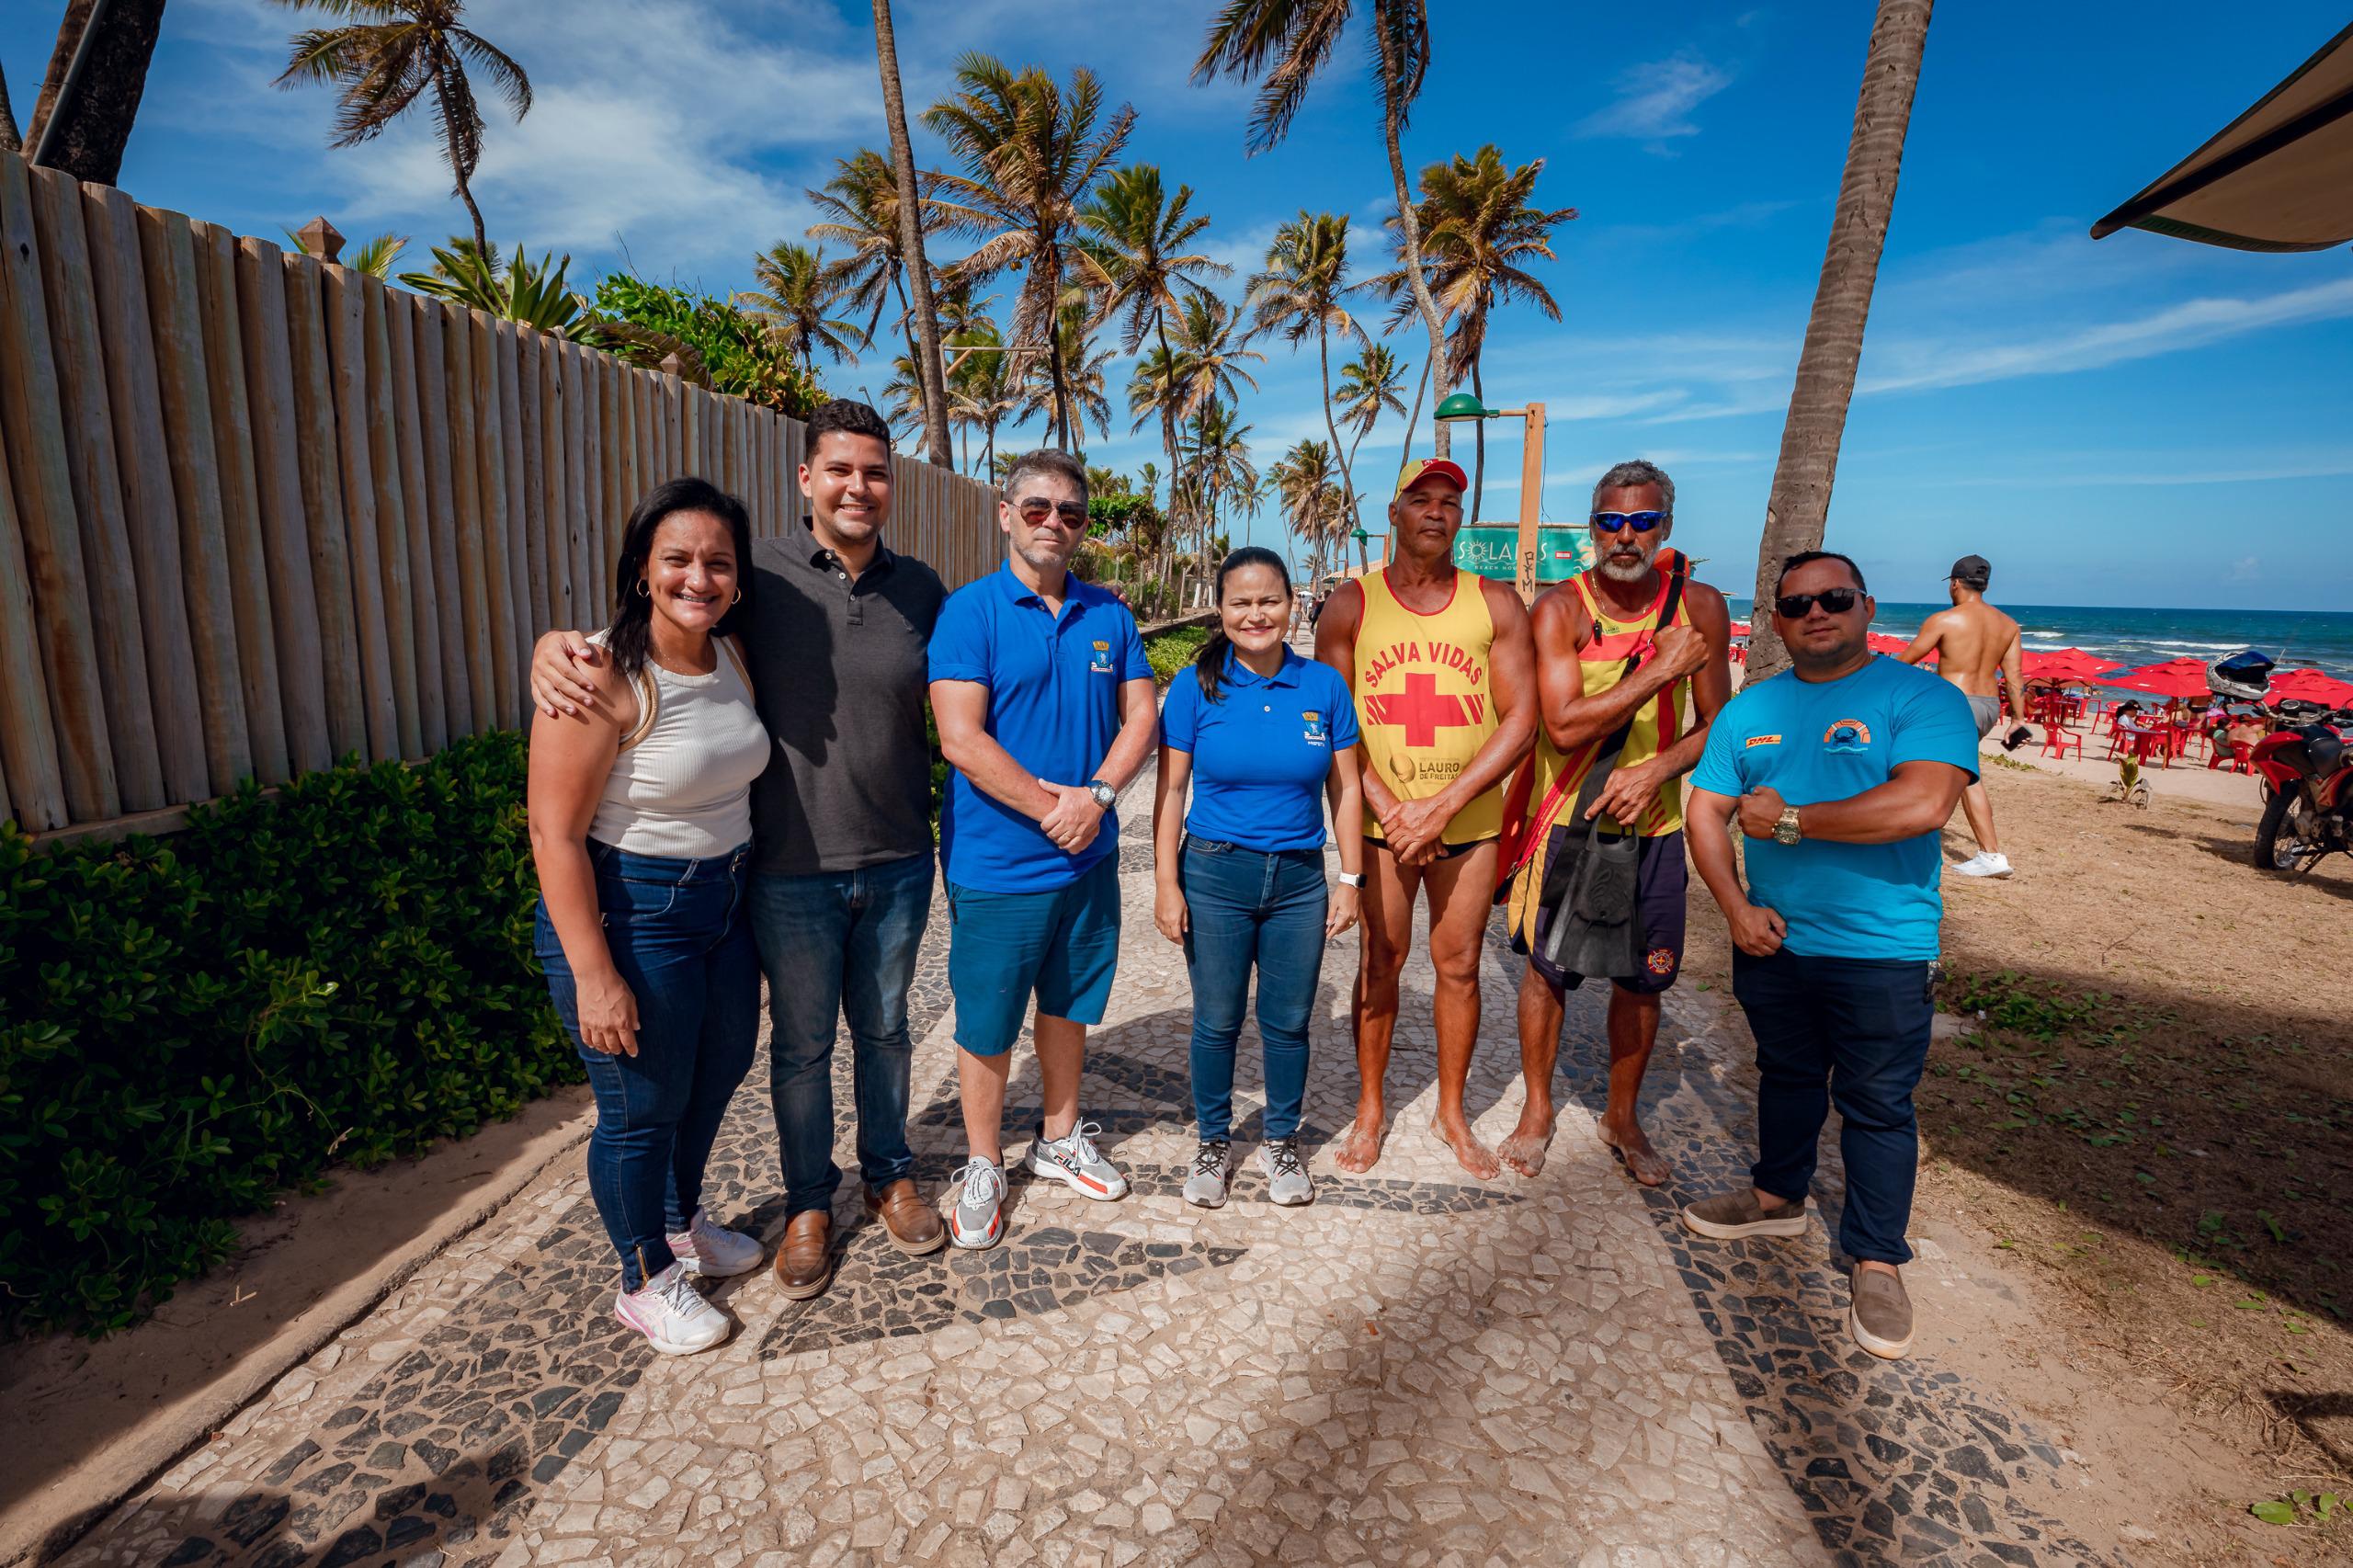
(1061, 946)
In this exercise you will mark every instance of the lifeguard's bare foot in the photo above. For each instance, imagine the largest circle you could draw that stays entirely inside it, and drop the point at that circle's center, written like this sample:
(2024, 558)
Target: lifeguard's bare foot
(1360, 1149)
(1524, 1150)
(1471, 1154)
(1644, 1163)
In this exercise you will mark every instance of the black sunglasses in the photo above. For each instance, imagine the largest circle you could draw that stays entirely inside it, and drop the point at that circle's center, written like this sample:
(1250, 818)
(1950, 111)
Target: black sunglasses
(1036, 509)
(1837, 601)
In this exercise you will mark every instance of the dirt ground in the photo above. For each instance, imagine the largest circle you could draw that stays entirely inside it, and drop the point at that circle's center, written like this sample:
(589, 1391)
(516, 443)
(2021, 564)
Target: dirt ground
(2138, 1159)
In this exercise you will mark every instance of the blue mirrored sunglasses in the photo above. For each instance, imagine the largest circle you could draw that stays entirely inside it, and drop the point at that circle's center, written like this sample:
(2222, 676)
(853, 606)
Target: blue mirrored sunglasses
(1640, 522)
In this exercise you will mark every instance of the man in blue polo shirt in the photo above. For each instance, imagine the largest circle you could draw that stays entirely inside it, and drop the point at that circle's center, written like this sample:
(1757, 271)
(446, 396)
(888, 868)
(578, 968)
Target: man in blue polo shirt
(1841, 772)
(1046, 710)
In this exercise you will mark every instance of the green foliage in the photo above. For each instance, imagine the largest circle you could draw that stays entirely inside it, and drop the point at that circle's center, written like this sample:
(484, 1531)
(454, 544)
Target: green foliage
(1173, 648)
(737, 354)
(190, 1025)
(534, 293)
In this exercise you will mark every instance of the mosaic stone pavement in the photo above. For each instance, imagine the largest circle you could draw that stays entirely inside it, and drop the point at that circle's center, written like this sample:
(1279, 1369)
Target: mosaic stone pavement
(1418, 1370)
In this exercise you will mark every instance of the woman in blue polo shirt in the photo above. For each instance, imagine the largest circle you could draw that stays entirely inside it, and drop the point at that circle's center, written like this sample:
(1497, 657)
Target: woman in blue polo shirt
(1260, 733)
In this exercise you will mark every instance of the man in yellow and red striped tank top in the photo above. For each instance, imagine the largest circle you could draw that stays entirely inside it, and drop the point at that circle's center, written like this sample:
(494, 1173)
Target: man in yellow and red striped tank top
(1443, 673)
(1635, 603)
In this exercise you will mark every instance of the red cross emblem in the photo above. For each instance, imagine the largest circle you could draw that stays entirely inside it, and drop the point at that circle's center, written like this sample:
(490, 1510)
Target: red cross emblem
(1422, 711)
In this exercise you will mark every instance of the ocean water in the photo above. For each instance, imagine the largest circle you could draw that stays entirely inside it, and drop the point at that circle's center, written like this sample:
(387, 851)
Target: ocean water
(2297, 639)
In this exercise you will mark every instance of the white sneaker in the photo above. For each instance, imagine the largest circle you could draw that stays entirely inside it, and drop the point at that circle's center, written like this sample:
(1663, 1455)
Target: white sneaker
(1075, 1159)
(672, 1314)
(1985, 863)
(708, 1252)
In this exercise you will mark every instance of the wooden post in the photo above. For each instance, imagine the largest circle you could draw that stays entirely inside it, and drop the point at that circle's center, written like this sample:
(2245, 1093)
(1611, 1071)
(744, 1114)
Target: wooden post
(28, 739)
(416, 517)
(543, 426)
(435, 380)
(521, 590)
(50, 531)
(278, 485)
(468, 518)
(167, 247)
(571, 521)
(612, 447)
(323, 506)
(215, 250)
(490, 453)
(1532, 499)
(392, 507)
(113, 581)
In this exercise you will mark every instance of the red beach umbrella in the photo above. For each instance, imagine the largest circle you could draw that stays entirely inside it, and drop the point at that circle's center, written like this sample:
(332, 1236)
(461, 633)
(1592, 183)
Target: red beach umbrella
(2174, 678)
(2065, 664)
(2313, 686)
(1740, 629)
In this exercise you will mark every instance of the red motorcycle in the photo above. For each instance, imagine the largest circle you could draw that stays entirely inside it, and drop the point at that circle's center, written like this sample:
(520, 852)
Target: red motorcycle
(2305, 769)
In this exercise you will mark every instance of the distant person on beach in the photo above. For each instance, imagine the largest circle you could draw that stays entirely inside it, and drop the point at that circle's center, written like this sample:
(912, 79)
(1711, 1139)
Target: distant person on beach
(639, 800)
(841, 864)
(1443, 674)
(1973, 643)
(1628, 654)
(1840, 771)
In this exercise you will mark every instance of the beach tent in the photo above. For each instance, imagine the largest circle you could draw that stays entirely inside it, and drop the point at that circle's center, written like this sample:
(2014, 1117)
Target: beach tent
(1740, 629)
(2311, 686)
(2279, 178)
(2174, 678)
(2065, 664)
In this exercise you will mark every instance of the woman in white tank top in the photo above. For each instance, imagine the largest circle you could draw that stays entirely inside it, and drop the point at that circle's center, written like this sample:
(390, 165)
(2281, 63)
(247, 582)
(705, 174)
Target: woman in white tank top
(641, 812)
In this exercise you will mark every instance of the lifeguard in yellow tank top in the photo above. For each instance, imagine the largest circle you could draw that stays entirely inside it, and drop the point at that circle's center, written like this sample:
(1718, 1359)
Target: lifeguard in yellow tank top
(1426, 698)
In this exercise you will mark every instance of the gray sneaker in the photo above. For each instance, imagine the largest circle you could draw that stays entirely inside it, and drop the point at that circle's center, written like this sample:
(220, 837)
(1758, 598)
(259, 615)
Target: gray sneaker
(1287, 1179)
(1205, 1189)
(1880, 1313)
(978, 1219)
(1729, 1216)
(1075, 1160)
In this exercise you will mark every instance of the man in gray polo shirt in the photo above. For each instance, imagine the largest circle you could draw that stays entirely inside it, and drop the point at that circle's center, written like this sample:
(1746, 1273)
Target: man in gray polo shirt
(841, 827)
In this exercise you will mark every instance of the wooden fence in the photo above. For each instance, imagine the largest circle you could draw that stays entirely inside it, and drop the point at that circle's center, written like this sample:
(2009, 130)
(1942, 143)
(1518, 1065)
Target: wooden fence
(257, 512)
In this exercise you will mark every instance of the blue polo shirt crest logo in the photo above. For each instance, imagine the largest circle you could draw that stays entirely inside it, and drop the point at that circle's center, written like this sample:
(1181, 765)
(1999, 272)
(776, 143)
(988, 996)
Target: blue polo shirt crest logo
(1315, 731)
(1101, 664)
(1848, 735)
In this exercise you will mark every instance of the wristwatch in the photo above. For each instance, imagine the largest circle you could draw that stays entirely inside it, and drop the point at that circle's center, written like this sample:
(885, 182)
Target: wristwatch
(1351, 878)
(1785, 827)
(1105, 796)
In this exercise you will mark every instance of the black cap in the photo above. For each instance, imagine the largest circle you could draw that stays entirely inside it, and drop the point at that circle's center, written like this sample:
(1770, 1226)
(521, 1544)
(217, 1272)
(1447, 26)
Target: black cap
(1972, 572)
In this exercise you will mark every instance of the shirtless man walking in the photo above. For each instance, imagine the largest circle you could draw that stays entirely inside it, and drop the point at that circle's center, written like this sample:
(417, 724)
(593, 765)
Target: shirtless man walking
(1972, 641)
(1444, 675)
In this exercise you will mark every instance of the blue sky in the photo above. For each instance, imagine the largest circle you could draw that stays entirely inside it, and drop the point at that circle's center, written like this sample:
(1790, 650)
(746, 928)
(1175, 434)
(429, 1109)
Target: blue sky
(2135, 421)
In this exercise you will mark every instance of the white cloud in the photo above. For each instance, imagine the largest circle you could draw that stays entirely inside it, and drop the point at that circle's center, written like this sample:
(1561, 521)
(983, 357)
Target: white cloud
(1655, 101)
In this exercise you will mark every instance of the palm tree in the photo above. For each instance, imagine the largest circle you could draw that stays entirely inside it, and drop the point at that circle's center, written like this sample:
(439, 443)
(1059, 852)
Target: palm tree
(1285, 42)
(1478, 233)
(796, 291)
(911, 232)
(102, 47)
(1031, 154)
(1798, 506)
(1369, 383)
(1082, 394)
(1220, 468)
(377, 255)
(1299, 292)
(11, 139)
(982, 389)
(859, 209)
(384, 63)
(1304, 486)
(1132, 253)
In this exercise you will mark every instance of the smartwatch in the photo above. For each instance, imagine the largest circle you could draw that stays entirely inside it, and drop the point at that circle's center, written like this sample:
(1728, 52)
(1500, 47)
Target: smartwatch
(1785, 827)
(1352, 879)
(1105, 796)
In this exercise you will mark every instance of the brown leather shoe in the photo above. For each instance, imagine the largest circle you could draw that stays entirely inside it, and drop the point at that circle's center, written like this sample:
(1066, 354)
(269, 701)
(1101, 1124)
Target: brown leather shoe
(912, 1224)
(805, 1261)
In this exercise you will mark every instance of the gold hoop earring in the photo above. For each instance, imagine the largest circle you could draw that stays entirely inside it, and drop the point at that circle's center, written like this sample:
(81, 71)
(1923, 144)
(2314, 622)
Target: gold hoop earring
(645, 589)
(736, 600)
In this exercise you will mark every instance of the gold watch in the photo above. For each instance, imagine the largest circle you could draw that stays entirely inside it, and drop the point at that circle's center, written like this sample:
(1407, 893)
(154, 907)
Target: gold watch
(1785, 827)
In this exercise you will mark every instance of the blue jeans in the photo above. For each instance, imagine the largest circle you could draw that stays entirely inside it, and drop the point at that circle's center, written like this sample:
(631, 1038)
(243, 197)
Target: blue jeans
(1858, 1029)
(836, 944)
(676, 932)
(1246, 909)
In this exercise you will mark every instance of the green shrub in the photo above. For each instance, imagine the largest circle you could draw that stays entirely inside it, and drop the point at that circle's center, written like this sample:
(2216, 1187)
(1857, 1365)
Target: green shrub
(1172, 650)
(188, 1025)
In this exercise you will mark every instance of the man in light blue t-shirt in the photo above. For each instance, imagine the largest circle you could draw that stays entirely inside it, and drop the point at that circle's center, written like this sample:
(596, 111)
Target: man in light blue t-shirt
(1841, 772)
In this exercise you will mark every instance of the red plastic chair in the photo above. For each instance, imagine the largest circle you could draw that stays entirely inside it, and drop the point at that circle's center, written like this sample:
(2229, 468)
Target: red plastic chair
(2057, 739)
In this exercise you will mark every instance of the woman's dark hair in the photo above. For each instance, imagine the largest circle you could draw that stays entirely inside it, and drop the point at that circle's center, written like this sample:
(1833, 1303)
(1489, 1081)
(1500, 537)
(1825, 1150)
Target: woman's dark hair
(633, 611)
(1209, 664)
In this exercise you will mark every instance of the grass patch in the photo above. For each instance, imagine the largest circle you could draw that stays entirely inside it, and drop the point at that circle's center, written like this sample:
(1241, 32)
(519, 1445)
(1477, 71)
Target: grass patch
(1171, 648)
